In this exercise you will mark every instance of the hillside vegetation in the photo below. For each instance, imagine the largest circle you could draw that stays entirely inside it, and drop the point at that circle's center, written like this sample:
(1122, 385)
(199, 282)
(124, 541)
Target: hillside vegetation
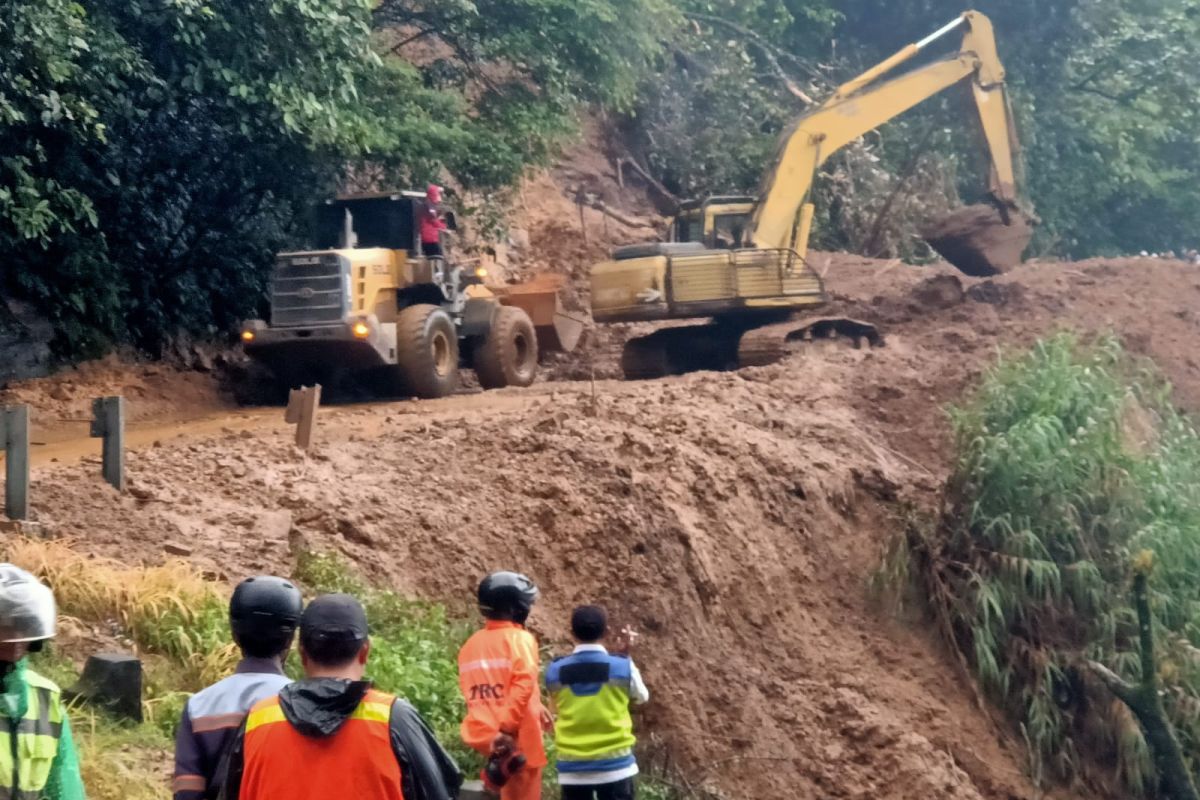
(1071, 461)
(154, 156)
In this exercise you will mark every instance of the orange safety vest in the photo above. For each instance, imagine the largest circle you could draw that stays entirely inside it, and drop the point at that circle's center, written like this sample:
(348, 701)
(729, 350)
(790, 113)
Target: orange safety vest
(498, 675)
(357, 761)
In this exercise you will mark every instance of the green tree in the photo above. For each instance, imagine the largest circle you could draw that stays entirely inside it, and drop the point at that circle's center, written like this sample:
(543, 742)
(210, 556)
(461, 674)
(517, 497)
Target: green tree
(1106, 107)
(730, 77)
(154, 156)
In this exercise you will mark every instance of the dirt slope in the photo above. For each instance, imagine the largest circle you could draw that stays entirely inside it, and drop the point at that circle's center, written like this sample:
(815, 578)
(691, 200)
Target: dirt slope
(733, 518)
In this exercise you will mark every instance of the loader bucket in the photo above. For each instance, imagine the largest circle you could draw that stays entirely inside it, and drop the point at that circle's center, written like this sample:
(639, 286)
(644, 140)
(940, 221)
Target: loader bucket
(979, 240)
(541, 298)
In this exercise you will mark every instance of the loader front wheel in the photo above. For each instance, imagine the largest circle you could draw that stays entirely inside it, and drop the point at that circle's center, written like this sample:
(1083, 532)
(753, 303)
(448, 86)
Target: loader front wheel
(508, 354)
(427, 351)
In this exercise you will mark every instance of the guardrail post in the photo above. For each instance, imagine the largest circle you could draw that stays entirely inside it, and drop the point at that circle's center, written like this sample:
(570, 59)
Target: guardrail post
(14, 436)
(108, 424)
(302, 412)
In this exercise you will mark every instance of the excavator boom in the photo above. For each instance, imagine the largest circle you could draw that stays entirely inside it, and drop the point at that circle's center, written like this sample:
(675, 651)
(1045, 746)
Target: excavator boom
(782, 217)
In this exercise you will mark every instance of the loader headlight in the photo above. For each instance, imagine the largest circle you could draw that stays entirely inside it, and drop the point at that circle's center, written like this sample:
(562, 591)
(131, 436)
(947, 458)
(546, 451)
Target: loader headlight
(247, 336)
(481, 272)
(361, 330)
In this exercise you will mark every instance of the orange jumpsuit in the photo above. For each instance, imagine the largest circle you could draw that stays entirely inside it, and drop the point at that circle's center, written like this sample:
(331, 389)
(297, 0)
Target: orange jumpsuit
(498, 675)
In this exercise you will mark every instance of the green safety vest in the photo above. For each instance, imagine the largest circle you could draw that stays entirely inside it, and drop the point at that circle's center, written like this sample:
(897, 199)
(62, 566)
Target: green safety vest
(29, 745)
(594, 730)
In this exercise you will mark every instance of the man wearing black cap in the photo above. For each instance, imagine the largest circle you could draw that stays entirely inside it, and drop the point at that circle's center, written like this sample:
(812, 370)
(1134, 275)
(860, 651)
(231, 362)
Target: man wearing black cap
(263, 614)
(332, 734)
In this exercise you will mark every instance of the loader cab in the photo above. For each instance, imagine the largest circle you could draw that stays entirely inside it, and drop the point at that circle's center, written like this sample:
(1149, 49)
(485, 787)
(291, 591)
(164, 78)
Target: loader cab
(387, 219)
(719, 223)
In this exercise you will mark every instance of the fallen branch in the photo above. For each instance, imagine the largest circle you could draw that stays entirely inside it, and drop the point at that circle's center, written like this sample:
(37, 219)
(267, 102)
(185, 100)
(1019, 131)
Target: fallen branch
(603, 208)
(764, 47)
(669, 201)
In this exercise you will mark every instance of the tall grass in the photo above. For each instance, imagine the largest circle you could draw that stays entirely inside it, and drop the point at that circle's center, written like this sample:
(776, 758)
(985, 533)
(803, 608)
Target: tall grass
(179, 622)
(169, 610)
(1070, 459)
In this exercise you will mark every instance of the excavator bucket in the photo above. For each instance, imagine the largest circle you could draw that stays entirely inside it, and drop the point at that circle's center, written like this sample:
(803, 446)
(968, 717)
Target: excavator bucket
(541, 298)
(980, 240)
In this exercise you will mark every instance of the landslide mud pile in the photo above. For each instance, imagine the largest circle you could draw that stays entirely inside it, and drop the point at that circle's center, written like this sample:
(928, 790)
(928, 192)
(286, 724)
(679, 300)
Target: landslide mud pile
(729, 526)
(733, 518)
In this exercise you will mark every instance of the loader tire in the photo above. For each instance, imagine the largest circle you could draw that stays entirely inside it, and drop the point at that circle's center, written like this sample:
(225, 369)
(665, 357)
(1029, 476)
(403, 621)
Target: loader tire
(427, 351)
(507, 355)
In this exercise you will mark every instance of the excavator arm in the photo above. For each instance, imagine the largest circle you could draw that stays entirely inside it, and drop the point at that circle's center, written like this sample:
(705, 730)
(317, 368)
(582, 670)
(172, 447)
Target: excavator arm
(783, 216)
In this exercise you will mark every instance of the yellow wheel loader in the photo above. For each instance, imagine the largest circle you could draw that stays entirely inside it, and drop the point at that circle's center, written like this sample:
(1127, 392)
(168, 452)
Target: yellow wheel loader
(366, 302)
(742, 261)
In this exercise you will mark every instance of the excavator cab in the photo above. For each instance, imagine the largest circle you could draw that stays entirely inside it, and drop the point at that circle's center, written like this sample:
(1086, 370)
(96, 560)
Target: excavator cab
(719, 223)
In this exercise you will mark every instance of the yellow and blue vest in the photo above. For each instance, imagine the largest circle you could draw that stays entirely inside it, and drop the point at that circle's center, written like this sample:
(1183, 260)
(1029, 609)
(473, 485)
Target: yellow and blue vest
(594, 730)
(29, 744)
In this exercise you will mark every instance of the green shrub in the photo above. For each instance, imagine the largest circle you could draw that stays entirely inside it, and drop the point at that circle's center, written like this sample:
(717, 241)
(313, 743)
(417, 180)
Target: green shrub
(1070, 459)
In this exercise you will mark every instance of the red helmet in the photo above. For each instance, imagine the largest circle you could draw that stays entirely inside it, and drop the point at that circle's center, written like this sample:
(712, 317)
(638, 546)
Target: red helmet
(434, 193)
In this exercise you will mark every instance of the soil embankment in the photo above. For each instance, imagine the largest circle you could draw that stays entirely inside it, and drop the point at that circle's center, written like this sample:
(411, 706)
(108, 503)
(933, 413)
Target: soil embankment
(733, 518)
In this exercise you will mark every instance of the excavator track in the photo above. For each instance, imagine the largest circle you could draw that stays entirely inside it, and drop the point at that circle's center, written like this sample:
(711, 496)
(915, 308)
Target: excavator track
(722, 346)
(676, 351)
(769, 344)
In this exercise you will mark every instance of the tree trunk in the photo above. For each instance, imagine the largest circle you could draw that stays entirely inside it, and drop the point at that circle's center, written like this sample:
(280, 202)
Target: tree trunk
(1146, 704)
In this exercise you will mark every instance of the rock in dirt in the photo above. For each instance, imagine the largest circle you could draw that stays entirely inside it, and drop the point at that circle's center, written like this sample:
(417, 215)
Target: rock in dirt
(938, 292)
(978, 241)
(177, 549)
(112, 681)
(354, 532)
(273, 526)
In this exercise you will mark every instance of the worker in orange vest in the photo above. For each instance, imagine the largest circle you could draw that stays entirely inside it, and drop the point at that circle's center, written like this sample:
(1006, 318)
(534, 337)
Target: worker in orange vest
(332, 734)
(498, 675)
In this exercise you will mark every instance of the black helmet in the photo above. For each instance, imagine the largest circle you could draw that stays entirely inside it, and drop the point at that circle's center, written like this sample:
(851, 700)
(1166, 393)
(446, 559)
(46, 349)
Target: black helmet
(507, 594)
(265, 609)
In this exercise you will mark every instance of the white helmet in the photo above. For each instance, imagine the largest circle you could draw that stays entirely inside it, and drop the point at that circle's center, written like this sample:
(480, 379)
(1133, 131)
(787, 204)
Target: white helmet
(27, 612)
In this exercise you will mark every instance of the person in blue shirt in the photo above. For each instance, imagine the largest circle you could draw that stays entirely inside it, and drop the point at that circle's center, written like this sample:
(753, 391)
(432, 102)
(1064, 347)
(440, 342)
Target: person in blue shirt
(591, 691)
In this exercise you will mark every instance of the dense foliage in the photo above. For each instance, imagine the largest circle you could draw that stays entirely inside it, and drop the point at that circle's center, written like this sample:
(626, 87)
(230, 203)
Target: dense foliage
(1071, 461)
(153, 156)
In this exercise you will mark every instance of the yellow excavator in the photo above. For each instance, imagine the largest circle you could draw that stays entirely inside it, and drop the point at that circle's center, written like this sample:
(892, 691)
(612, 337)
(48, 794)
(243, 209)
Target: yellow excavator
(743, 261)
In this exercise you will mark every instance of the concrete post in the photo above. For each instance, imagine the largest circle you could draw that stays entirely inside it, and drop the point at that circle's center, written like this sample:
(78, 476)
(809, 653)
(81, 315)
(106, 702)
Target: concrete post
(302, 412)
(14, 436)
(108, 424)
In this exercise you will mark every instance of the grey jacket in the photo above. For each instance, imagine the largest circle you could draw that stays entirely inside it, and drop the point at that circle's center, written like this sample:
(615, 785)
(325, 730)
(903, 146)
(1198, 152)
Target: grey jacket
(210, 720)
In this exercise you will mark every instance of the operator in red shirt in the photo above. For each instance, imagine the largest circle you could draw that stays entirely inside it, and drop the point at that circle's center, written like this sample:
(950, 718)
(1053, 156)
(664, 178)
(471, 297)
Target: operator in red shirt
(431, 222)
(498, 675)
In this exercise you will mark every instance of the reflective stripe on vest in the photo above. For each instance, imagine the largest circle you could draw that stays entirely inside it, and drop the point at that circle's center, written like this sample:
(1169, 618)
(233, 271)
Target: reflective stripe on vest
(594, 730)
(30, 744)
(356, 761)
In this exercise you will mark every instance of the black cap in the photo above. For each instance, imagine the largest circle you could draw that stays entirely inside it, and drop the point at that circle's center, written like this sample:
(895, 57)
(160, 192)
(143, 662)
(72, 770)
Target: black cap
(334, 616)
